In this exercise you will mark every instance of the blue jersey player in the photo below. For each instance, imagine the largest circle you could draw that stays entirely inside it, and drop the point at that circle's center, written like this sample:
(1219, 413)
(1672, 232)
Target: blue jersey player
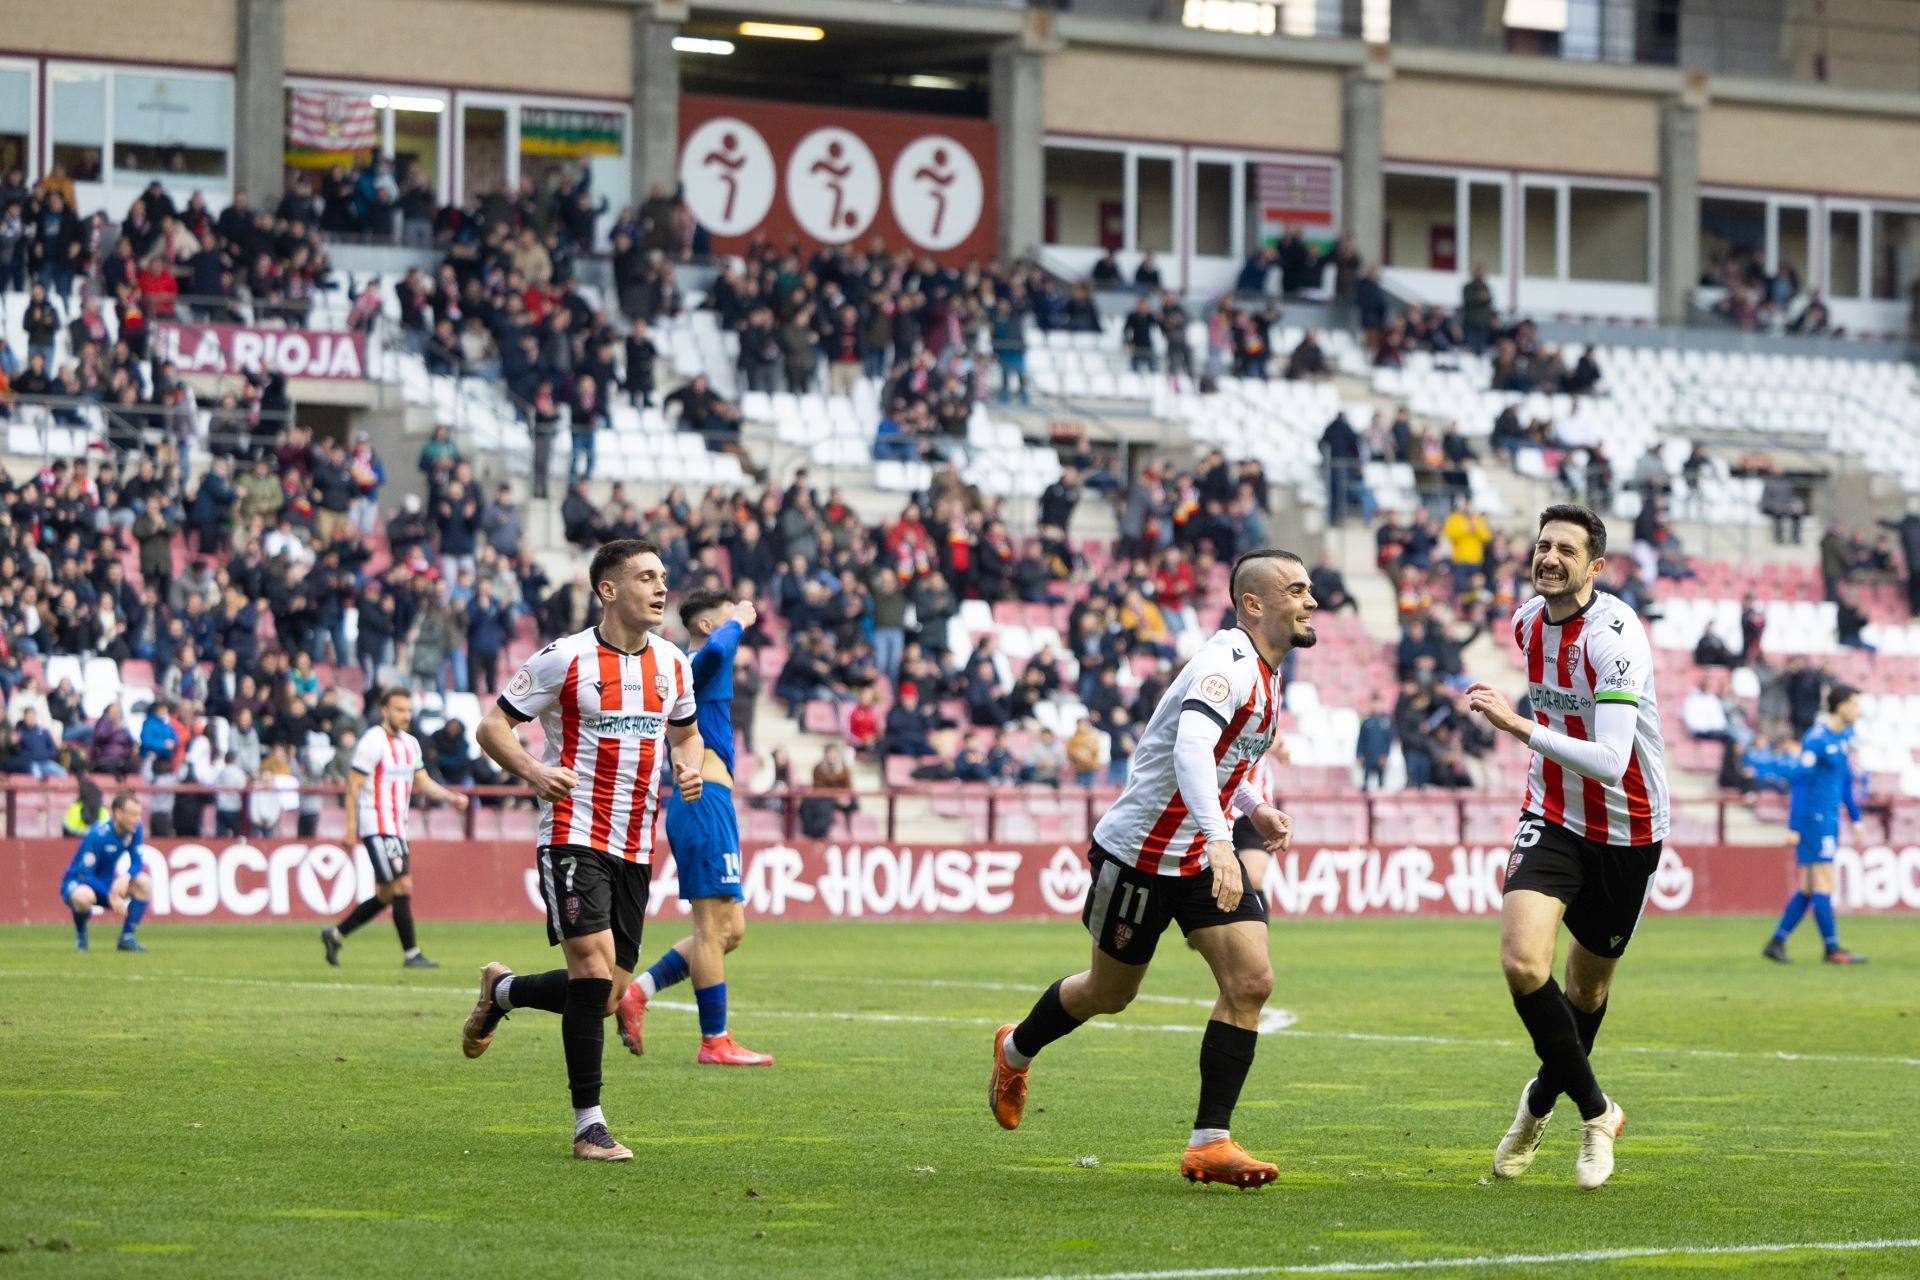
(107, 871)
(1822, 787)
(705, 838)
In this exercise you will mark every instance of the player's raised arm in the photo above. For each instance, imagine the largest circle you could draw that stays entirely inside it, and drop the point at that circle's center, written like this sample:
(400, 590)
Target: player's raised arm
(683, 735)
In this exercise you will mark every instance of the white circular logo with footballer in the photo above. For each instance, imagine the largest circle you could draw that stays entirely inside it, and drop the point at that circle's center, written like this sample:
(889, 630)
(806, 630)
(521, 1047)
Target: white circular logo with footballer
(936, 191)
(833, 185)
(728, 176)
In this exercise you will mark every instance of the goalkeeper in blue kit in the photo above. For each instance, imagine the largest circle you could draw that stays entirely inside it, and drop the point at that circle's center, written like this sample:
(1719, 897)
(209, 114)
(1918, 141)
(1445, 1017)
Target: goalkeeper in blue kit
(1822, 786)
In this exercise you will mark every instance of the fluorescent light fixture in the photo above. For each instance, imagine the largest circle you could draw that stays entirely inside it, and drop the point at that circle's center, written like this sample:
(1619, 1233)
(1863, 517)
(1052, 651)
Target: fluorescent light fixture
(400, 102)
(1238, 17)
(934, 82)
(1537, 15)
(696, 44)
(781, 31)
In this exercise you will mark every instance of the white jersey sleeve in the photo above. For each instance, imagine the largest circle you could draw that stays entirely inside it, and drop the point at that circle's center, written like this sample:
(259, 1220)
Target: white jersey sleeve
(368, 751)
(1622, 659)
(681, 706)
(535, 686)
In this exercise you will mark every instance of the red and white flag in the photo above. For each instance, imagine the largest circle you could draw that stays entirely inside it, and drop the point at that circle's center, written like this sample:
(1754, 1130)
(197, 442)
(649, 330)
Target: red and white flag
(332, 121)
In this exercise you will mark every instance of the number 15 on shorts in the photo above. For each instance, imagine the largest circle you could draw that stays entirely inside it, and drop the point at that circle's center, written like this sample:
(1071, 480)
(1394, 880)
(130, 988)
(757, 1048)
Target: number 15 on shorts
(1525, 837)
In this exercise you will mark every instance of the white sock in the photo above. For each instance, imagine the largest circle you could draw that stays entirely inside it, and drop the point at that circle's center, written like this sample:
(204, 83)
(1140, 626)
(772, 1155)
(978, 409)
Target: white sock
(412, 952)
(500, 993)
(1017, 1060)
(648, 987)
(1203, 1136)
(584, 1116)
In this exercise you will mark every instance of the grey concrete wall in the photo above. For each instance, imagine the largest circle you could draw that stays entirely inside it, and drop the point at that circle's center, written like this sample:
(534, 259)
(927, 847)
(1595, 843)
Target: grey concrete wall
(259, 100)
(656, 100)
(1017, 100)
(1679, 213)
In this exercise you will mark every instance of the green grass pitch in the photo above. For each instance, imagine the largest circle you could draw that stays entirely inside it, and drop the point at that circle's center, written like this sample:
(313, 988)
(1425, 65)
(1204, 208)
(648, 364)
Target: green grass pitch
(229, 1106)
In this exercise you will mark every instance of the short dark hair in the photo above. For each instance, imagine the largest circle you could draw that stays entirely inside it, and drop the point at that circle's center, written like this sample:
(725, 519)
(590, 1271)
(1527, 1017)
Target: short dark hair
(1574, 513)
(1269, 553)
(1838, 695)
(123, 798)
(695, 603)
(612, 555)
(394, 691)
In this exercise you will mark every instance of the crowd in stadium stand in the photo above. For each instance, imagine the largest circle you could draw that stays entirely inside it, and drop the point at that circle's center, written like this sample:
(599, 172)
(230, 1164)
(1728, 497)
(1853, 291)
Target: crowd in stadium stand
(274, 531)
(161, 261)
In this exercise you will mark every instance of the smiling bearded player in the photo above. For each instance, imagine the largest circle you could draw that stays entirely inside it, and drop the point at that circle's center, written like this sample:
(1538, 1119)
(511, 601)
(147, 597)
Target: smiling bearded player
(1589, 838)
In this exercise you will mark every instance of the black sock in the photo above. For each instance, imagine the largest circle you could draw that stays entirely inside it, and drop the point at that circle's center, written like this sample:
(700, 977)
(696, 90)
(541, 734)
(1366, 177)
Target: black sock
(1546, 1087)
(1226, 1055)
(360, 915)
(583, 1032)
(540, 991)
(1048, 1021)
(403, 919)
(1556, 1039)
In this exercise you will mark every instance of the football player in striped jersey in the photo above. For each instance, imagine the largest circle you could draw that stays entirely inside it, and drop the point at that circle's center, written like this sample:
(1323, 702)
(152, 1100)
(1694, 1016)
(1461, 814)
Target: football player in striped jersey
(387, 765)
(1590, 832)
(610, 700)
(1164, 854)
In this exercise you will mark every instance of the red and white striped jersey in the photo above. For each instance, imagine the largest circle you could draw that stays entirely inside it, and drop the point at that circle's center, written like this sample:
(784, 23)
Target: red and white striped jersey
(1600, 654)
(1264, 781)
(1149, 827)
(389, 763)
(605, 715)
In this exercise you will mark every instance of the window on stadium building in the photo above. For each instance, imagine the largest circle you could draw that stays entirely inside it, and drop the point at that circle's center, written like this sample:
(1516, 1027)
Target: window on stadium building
(1086, 198)
(1610, 235)
(1845, 250)
(124, 127)
(1422, 224)
(557, 142)
(170, 126)
(1153, 204)
(333, 123)
(77, 119)
(1731, 230)
(1213, 183)
(1444, 220)
(1540, 232)
(17, 111)
(1895, 249)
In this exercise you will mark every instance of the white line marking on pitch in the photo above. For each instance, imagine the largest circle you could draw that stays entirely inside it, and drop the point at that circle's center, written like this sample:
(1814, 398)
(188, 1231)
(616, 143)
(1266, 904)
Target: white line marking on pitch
(1267, 1027)
(1501, 1260)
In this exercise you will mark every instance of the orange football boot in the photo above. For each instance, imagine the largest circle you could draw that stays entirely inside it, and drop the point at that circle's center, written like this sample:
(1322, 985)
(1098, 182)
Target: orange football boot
(632, 1008)
(724, 1051)
(1007, 1087)
(1223, 1160)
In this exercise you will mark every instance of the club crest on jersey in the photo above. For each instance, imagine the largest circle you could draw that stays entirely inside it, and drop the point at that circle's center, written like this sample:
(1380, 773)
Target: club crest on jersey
(1571, 658)
(522, 683)
(660, 685)
(1122, 935)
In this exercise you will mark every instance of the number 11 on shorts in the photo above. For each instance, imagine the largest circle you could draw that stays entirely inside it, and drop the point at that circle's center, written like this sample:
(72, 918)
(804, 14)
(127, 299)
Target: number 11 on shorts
(1133, 903)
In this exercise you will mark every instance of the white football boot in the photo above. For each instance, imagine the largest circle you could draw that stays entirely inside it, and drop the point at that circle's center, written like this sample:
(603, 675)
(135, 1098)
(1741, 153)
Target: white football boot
(1595, 1164)
(1515, 1153)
